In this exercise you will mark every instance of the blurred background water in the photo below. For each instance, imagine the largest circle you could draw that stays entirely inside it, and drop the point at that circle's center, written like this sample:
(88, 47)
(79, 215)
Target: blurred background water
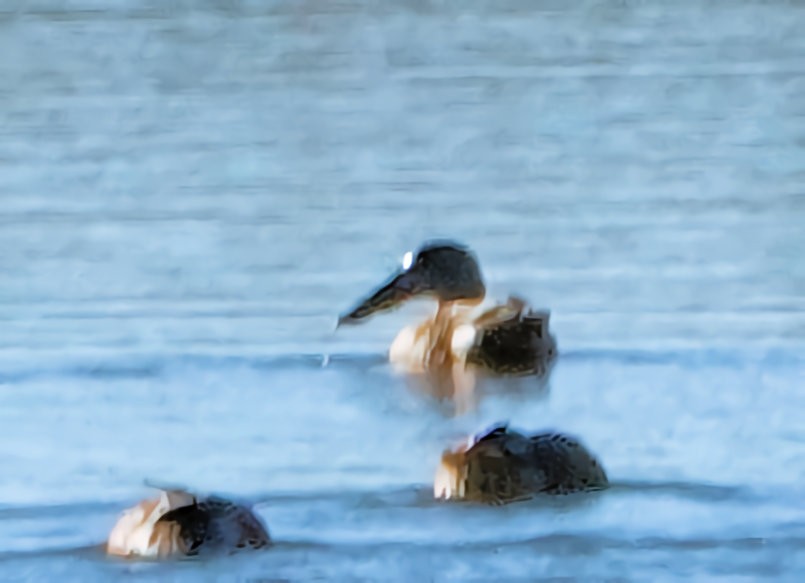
(190, 192)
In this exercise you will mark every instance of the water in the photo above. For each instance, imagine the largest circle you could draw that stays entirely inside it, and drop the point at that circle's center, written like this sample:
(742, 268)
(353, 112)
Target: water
(191, 193)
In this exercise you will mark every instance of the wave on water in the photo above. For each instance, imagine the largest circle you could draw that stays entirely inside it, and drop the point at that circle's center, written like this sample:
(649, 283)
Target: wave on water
(156, 366)
(411, 496)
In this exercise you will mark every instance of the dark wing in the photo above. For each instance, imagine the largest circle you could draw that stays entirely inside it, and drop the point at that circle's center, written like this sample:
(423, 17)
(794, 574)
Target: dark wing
(517, 344)
(234, 525)
(562, 465)
(508, 466)
(193, 522)
(538, 322)
(495, 468)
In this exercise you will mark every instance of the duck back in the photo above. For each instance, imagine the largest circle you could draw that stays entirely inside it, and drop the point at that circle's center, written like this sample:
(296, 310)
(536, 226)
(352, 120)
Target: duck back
(509, 466)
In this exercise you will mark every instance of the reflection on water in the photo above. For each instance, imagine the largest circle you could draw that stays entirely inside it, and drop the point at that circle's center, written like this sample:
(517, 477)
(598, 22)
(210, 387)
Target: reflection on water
(464, 396)
(192, 193)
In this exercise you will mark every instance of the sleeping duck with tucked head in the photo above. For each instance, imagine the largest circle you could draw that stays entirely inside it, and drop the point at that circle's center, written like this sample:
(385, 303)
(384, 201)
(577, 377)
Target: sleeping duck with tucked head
(506, 339)
(177, 523)
(500, 465)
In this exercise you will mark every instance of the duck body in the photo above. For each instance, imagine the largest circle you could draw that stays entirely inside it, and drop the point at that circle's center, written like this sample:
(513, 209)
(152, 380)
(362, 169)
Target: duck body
(499, 339)
(501, 465)
(177, 523)
(443, 339)
(502, 340)
(513, 340)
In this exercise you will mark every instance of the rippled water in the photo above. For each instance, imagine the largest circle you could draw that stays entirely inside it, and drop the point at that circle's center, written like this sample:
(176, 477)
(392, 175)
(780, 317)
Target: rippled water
(191, 192)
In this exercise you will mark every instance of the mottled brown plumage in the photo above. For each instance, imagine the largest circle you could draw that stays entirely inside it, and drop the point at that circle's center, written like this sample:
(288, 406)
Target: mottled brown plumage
(180, 524)
(513, 340)
(501, 466)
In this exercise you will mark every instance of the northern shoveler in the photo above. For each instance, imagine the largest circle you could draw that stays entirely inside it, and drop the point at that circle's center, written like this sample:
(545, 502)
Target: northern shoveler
(508, 339)
(499, 465)
(177, 523)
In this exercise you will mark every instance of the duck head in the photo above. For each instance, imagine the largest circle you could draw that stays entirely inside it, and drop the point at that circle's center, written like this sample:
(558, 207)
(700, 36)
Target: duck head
(444, 270)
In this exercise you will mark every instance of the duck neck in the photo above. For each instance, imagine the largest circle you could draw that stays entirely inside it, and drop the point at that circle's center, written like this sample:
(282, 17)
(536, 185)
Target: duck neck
(443, 311)
(442, 323)
(440, 333)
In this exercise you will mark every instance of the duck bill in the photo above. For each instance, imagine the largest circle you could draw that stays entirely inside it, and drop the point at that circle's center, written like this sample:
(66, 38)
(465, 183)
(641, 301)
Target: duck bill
(401, 288)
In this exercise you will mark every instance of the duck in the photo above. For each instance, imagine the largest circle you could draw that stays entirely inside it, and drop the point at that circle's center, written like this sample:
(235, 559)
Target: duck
(500, 465)
(508, 339)
(178, 523)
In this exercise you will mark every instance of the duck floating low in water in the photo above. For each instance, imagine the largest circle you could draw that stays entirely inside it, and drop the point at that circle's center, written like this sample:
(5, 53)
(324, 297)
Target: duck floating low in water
(508, 339)
(499, 466)
(178, 523)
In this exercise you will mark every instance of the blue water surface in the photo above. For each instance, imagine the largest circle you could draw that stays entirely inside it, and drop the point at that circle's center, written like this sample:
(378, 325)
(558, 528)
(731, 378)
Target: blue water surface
(191, 192)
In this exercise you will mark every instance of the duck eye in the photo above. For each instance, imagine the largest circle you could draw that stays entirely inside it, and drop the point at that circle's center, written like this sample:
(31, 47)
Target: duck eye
(408, 260)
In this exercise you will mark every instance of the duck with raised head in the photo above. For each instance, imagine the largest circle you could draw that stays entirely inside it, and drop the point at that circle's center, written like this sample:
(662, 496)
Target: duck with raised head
(508, 339)
(500, 465)
(177, 523)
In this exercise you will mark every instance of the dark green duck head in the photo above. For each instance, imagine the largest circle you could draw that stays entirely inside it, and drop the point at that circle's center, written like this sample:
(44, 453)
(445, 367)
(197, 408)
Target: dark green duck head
(444, 270)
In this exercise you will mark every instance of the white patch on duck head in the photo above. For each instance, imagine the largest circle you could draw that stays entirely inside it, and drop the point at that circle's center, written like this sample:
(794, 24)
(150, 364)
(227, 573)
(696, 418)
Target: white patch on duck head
(408, 260)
